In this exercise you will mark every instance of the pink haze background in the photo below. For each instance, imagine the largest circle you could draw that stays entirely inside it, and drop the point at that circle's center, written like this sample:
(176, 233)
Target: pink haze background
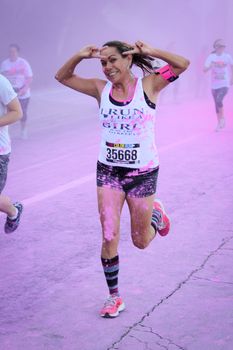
(178, 292)
(48, 32)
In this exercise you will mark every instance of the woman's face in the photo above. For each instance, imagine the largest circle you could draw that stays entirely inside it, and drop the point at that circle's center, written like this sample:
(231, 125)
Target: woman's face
(13, 53)
(220, 50)
(115, 67)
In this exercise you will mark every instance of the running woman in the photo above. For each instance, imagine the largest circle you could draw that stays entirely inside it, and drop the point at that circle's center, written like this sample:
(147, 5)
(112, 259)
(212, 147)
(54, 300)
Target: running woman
(128, 164)
(220, 64)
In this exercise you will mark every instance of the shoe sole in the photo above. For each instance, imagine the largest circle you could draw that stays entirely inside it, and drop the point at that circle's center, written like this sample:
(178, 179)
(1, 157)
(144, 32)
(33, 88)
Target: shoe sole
(164, 231)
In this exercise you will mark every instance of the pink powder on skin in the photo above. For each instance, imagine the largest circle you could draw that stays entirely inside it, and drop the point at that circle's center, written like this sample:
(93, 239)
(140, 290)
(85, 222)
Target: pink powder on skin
(108, 224)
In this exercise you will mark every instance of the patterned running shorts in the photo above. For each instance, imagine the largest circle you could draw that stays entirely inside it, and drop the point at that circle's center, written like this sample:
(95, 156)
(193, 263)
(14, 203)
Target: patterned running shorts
(4, 160)
(134, 182)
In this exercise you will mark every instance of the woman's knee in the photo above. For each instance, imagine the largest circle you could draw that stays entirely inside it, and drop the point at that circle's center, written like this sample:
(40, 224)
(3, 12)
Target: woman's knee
(110, 245)
(140, 242)
(219, 104)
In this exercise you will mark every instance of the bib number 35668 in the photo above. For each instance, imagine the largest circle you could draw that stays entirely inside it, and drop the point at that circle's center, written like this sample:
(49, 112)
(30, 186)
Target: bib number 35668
(123, 154)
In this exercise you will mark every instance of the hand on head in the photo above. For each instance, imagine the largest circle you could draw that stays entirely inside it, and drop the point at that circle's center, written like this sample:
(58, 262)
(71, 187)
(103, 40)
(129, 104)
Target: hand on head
(138, 48)
(91, 51)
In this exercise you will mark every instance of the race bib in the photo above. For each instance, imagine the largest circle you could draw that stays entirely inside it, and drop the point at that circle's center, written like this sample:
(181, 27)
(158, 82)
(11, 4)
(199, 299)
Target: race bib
(123, 153)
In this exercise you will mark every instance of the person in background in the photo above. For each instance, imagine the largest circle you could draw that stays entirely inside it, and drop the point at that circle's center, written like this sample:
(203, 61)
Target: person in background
(10, 112)
(18, 71)
(220, 64)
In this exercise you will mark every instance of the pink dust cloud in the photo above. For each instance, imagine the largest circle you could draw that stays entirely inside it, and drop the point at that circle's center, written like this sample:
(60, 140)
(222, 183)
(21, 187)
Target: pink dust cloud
(48, 38)
(50, 290)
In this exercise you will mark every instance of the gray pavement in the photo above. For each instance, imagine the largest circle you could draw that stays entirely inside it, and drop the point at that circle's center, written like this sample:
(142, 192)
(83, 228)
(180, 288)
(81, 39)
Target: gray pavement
(178, 292)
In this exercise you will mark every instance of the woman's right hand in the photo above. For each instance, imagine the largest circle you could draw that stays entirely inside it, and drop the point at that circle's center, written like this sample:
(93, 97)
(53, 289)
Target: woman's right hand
(66, 75)
(90, 51)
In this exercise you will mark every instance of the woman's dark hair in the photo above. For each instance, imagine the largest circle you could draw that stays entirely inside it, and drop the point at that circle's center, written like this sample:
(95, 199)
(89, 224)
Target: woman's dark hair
(217, 44)
(15, 46)
(142, 61)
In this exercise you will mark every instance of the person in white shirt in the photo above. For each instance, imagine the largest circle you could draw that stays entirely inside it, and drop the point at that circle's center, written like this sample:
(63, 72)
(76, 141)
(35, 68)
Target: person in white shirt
(10, 112)
(128, 165)
(18, 71)
(220, 64)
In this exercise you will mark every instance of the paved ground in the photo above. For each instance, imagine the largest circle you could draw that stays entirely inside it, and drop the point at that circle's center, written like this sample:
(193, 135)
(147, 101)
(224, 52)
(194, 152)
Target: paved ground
(178, 292)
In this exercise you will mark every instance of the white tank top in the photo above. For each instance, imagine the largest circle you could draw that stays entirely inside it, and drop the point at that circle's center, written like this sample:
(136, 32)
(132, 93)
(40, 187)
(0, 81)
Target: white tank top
(128, 138)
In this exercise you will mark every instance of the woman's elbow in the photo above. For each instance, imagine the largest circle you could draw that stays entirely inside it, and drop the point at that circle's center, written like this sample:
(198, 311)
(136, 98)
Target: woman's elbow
(19, 114)
(186, 63)
(58, 77)
(183, 66)
(61, 77)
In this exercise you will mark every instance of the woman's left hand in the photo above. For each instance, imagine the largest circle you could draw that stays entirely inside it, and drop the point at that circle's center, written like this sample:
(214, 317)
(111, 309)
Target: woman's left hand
(140, 48)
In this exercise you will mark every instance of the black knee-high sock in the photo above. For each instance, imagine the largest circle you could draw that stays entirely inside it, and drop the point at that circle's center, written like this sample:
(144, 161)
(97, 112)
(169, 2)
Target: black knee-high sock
(111, 269)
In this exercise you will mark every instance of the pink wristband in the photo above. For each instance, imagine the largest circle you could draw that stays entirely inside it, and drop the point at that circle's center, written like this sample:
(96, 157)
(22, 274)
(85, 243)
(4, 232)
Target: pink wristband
(167, 73)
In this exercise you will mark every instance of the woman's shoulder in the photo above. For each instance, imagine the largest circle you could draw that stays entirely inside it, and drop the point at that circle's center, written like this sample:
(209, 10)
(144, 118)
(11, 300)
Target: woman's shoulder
(228, 55)
(103, 87)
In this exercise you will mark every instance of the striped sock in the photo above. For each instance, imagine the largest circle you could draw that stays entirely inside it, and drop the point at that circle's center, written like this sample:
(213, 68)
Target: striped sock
(156, 218)
(111, 269)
